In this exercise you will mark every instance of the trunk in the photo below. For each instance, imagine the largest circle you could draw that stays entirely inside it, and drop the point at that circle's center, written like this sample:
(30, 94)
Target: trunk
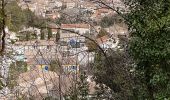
(3, 28)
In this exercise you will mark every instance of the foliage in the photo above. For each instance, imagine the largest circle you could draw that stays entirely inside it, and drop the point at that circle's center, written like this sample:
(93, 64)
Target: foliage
(62, 20)
(15, 69)
(83, 87)
(102, 33)
(49, 33)
(91, 46)
(54, 66)
(1, 17)
(113, 72)
(42, 37)
(149, 21)
(81, 91)
(57, 37)
(28, 36)
(110, 20)
(103, 92)
(16, 18)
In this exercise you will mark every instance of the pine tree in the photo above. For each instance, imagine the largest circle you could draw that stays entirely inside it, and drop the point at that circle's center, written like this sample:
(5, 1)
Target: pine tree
(49, 33)
(57, 36)
(42, 37)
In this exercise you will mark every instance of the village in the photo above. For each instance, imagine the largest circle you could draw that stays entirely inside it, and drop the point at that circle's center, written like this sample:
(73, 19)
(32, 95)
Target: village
(56, 54)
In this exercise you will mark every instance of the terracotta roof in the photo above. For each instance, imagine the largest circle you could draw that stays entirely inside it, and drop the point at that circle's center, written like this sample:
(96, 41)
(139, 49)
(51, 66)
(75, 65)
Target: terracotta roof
(33, 42)
(34, 74)
(88, 4)
(64, 26)
(40, 79)
(69, 61)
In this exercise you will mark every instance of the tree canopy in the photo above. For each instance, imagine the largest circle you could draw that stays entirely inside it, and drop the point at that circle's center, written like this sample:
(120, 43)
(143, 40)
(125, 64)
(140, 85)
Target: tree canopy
(149, 21)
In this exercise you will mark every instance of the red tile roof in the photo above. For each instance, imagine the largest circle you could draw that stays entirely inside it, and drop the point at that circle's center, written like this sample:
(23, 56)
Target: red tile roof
(63, 26)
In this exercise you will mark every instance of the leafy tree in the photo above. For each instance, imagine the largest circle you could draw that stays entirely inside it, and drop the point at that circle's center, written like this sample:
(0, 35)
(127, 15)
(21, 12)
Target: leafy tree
(112, 70)
(15, 69)
(102, 33)
(91, 45)
(29, 17)
(83, 87)
(81, 91)
(15, 15)
(54, 66)
(28, 36)
(149, 21)
(110, 20)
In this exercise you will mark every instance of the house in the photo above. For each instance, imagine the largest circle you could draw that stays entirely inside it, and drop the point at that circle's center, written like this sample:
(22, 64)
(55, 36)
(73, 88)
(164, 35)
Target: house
(72, 34)
(101, 12)
(106, 42)
(87, 5)
(34, 33)
(54, 28)
(40, 84)
(70, 65)
(69, 3)
(117, 30)
(36, 52)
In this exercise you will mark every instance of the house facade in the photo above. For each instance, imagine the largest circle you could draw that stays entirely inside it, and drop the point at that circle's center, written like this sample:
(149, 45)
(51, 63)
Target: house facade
(72, 34)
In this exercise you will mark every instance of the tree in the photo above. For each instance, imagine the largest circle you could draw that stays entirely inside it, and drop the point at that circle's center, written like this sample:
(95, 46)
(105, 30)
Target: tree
(57, 36)
(91, 45)
(15, 69)
(49, 33)
(81, 91)
(108, 21)
(16, 17)
(112, 71)
(42, 37)
(54, 66)
(3, 24)
(28, 36)
(149, 21)
(102, 33)
(83, 87)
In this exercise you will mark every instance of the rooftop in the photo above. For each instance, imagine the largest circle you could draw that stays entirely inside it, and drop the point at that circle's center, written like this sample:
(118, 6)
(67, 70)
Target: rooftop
(63, 26)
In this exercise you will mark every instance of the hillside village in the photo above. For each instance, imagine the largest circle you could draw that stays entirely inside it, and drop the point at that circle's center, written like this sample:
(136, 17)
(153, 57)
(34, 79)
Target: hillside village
(84, 49)
(66, 43)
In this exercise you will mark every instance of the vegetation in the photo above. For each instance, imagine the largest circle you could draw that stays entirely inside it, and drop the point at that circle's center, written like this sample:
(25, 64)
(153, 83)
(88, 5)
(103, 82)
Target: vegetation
(102, 33)
(149, 47)
(57, 37)
(54, 66)
(137, 70)
(108, 21)
(18, 18)
(49, 33)
(42, 37)
(80, 91)
(15, 69)
(113, 71)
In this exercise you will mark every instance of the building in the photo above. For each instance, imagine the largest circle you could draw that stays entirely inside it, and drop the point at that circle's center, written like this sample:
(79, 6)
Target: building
(36, 53)
(40, 84)
(106, 42)
(72, 34)
(100, 13)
